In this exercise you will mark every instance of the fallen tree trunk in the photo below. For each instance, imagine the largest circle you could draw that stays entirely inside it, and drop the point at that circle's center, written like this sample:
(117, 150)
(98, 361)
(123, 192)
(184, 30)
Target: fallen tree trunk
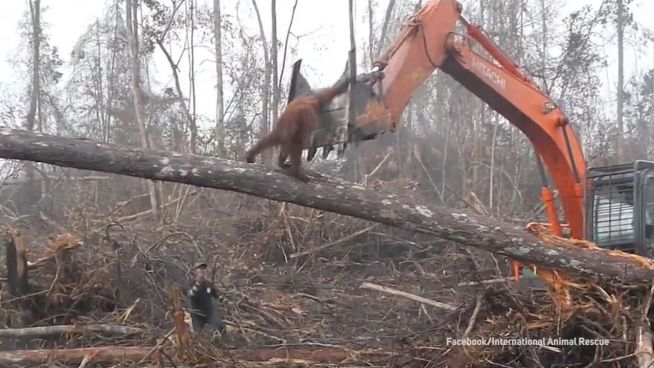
(73, 356)
(325, 194)
(114, 354)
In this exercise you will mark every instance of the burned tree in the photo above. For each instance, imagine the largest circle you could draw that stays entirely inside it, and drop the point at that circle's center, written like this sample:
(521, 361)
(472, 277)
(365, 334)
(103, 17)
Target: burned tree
(326, 194)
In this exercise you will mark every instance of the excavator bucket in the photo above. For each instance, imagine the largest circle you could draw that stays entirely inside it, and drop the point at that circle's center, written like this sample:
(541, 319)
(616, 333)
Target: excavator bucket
(334, 129)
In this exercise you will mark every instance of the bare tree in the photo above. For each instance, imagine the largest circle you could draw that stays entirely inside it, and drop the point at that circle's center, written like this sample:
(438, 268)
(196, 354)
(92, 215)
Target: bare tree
(220, 110)
(620, 97)
(371, 55)
(288, 33)
(651, 116)
(35, 13)
(112, 80)
(266, 79)
(382, 35)
(32, 191)
(191, 61)
(131, 7)
(174, 67)
(100, 98)
(273, 60)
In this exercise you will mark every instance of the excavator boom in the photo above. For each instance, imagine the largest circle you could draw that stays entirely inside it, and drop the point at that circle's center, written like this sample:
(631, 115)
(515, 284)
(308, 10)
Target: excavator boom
(533, 112)
(427, 42)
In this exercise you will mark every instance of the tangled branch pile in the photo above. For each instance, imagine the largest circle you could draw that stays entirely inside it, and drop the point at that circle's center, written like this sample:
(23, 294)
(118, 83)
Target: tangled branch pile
(304, 287)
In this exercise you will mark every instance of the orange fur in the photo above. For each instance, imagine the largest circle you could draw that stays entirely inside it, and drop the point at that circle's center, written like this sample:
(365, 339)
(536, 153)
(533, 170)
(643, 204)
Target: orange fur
(293, 128)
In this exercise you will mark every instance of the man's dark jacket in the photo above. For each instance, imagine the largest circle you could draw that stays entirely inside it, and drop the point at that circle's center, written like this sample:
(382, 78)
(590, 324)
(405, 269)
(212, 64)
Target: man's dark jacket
(203, 310)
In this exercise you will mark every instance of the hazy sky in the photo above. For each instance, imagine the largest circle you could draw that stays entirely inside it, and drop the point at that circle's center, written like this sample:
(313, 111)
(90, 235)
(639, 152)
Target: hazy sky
(323, 49)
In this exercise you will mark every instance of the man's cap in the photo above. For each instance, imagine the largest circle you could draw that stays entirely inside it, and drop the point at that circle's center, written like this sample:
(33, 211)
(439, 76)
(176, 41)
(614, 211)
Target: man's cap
(201, 265)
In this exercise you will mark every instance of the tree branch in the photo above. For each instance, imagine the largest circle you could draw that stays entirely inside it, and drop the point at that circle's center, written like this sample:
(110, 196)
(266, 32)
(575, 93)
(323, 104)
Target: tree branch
(68, 329)
(288, 33)
(416, 298)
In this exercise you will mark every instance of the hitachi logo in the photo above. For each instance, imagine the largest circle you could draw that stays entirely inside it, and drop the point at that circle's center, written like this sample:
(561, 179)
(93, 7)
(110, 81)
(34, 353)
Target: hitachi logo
(488, 73)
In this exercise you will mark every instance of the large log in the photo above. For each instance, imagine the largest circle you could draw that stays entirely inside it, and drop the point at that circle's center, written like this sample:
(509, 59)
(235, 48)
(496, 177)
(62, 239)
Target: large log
(115, 354)
(322, 193)
(73, 356)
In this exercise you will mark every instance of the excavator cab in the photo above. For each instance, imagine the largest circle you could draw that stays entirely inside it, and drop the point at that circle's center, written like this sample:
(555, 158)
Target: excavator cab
(335, 128)
(619, 204)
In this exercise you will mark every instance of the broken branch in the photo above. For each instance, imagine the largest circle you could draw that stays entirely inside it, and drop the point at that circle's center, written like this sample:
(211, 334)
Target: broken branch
(331, 244)
(419, 299)
(475, 313)
(68, 329)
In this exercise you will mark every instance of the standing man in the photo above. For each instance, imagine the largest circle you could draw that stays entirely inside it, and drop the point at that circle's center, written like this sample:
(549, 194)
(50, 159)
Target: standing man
(203, 309)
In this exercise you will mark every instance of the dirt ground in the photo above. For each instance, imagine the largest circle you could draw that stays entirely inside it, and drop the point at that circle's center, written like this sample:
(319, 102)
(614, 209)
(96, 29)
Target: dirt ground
(294, 277)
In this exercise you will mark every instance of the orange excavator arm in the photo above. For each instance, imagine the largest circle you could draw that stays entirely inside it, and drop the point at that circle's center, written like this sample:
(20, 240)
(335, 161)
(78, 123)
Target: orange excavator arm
(428, 42)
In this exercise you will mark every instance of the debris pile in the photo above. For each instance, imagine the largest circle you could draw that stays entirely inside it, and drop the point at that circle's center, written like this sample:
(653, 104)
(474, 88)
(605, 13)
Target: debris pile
(514, 328)
(303, 287)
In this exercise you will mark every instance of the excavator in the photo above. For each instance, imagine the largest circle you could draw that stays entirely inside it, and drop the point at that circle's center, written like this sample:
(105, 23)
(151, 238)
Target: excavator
(610, 206)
